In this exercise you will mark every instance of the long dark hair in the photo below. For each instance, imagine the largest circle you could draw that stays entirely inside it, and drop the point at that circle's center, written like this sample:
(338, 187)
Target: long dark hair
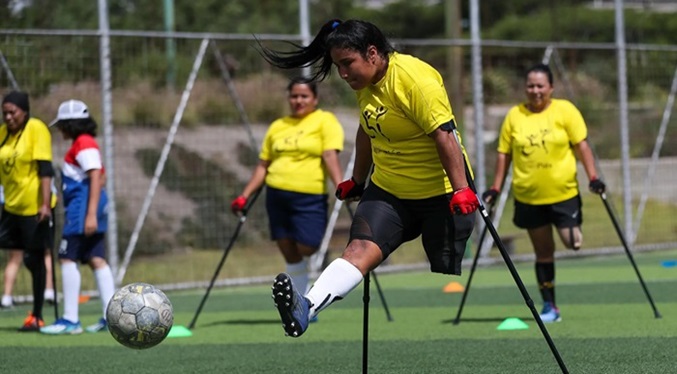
(352, 34)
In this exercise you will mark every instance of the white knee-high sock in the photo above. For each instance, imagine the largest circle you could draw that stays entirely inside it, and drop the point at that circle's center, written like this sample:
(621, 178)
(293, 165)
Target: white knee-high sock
(335, 282)
(299, 275)
(70, 276)
(106, 285)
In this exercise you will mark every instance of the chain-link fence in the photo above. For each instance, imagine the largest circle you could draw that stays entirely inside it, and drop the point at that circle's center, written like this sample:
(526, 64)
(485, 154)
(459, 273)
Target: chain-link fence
(200, 111)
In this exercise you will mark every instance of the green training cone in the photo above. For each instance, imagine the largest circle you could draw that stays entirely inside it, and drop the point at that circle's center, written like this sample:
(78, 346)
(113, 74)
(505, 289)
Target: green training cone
(179, 332)
(512, 324)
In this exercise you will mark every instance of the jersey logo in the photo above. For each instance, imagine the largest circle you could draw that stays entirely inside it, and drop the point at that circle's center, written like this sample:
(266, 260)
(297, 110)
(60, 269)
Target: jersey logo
(373, 117)
(289, 144)
(536, 141)
(9, 163)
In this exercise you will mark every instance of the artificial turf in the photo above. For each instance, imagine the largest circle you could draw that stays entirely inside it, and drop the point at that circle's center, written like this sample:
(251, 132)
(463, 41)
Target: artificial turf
(608, 327)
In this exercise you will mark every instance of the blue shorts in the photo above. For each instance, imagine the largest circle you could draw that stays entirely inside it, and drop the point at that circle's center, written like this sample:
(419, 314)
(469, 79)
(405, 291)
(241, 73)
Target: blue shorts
(82, 248)
(298, 216)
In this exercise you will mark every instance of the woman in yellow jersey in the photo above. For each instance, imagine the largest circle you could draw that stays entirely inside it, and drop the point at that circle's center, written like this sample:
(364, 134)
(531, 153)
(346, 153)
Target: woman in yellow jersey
(299, 152)
(12, 271)
(542, 138)
(418, 186)
(26, 176)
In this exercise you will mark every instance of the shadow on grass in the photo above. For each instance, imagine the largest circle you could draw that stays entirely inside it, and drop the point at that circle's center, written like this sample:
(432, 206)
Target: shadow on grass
(248, 322)
(16, 330)
(482, 320)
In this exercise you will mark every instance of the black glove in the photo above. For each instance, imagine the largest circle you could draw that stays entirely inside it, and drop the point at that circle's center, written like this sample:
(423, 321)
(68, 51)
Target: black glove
(490, 195)
(597, 186)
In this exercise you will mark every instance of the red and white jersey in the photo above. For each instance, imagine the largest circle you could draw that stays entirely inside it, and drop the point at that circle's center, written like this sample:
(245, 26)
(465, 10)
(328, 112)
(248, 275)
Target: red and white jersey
(83, 156)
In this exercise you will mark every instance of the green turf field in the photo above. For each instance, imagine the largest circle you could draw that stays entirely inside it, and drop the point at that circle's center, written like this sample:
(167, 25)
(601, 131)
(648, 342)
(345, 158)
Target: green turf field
(608, 327)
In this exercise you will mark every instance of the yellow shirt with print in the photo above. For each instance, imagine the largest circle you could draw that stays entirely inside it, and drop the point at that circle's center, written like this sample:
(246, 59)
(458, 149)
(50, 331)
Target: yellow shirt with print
(398, 113)
(541, 146)
(294, 147)
(19, 154)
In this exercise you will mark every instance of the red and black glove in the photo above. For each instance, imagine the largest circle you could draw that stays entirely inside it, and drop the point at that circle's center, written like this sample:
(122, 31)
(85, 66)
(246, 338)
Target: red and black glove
(597, 186)
(238, 204)
(463, 201)
(490, 195)
(349, 189)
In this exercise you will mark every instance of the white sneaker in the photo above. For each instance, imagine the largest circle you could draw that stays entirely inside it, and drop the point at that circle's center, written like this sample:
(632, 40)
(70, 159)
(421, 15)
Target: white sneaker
(101, 325)
(7, 301)
(49, 296)
(62, 326)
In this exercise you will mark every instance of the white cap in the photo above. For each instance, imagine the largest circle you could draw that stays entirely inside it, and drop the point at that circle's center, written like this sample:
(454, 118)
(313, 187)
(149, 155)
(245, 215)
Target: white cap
(71, 109)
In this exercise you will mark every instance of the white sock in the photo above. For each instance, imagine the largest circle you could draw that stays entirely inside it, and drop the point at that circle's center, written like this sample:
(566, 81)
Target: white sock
(70, 276)
(106, 285)
(299, 275)
(7, 300)
(335, 282)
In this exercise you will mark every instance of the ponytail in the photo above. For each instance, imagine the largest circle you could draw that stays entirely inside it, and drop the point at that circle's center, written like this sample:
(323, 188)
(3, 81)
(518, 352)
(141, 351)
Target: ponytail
(352, 34)
(316, 52)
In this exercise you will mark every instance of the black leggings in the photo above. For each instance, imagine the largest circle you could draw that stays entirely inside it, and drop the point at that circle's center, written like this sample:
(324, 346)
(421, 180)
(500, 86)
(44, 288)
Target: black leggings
(35, 262)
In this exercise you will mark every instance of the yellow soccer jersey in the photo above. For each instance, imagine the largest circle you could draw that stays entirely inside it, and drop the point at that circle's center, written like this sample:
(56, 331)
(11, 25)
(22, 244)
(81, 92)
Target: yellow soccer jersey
(398, 113)
(294, 148)
(19, 173)
(541, 146)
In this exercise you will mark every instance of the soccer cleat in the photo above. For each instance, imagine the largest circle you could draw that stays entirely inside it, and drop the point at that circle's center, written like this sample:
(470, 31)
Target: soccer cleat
(32, 324)
(292, 306)
(62, 326)
(550, 313)
(101, 325)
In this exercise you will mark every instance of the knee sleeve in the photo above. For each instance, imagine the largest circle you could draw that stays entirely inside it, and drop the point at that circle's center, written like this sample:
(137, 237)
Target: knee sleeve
(34, 260)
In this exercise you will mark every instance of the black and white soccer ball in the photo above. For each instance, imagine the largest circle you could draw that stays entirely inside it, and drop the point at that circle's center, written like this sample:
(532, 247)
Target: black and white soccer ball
(139, 316)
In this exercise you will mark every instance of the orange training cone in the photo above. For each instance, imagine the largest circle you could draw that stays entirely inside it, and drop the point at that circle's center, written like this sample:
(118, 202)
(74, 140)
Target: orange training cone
(83, 299)
(453, 287)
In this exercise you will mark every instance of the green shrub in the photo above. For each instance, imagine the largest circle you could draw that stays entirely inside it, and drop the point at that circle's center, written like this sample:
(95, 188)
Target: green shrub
(498, 87)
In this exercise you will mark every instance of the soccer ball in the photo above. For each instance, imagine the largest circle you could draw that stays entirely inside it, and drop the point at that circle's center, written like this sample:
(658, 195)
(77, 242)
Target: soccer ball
(139, 316)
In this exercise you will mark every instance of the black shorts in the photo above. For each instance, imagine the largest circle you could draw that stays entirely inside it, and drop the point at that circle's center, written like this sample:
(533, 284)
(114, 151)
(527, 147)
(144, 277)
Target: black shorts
(567, 213)
(25, 232)
(388, 221)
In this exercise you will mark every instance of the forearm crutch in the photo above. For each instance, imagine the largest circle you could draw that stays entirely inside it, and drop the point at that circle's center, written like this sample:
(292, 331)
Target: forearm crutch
(506, 257)
(243, 218)
(472, 270)
(365, 326)
(612, 215)
(373, 274)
